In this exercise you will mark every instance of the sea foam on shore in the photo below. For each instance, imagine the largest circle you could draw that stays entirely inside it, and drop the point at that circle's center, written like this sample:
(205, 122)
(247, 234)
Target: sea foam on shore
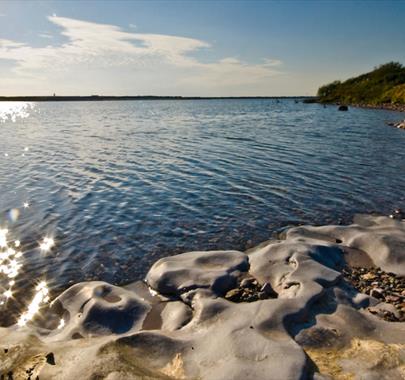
(199, 315)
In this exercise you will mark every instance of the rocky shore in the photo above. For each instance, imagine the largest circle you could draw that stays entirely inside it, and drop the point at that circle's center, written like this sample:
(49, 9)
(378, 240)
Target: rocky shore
(315, 303)
(384, 106)
(387, 287)
(400, 124)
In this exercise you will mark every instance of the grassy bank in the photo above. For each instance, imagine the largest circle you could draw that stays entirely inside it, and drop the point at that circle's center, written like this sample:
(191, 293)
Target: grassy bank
(382, 87)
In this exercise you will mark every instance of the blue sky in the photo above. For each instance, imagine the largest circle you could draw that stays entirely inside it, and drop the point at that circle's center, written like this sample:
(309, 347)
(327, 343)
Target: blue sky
(208, 48)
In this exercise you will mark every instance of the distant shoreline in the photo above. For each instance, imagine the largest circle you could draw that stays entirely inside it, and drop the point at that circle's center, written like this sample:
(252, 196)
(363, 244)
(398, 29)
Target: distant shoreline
(140, 97)
(382, 106)
(389, 107)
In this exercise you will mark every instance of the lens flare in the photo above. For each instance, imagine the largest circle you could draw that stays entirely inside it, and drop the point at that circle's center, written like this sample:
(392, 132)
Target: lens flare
(14, 214)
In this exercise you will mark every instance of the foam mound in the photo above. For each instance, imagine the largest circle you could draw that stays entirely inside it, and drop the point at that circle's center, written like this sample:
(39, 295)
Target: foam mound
(181, 323)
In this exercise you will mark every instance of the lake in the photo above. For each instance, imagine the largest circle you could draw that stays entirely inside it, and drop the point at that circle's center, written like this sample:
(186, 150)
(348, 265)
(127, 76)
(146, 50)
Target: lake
(118, 185)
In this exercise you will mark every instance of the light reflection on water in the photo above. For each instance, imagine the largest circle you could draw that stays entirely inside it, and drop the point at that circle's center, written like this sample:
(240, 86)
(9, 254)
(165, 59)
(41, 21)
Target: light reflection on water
(120, 184)
(13, 111)
(11, 263)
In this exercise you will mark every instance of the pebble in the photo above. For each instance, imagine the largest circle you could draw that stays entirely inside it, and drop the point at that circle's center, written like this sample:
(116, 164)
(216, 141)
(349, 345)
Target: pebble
(377, 293)
(381, 285)
(392, 299)
(249, 291)
(268, 290)
(247, 282)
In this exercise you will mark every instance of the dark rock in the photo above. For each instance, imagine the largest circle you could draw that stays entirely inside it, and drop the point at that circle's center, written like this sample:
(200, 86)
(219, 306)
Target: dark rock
(50, 358)
(233, 295)
(262, 296)
(343, 108)
(377, 293)
(248, 282)
(268, 290)
(392, 298)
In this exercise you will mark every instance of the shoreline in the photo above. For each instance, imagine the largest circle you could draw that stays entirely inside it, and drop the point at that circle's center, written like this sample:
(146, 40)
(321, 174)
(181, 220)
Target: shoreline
(137, 97)
(388, 107)
(286, 308)
(384, 106)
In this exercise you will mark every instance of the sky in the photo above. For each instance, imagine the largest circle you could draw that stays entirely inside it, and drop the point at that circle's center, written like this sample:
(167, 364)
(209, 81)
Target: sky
(193, 48)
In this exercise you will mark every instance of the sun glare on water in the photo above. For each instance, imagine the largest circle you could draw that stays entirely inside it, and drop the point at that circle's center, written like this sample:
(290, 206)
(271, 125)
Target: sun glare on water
(11, 255)
(47, 244)
(14, 110)
(10, 266)
(41, 297)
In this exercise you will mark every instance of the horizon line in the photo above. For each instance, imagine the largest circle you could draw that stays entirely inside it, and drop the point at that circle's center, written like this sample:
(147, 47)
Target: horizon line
(138, 97)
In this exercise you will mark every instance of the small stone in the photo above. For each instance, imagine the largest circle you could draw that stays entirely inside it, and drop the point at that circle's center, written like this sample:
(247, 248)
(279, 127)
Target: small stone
(377, 293)
(247, 282)
(392, 298)
(268, 290)
(50, 358)
(262, 296)
(368, 276)
(233, 294)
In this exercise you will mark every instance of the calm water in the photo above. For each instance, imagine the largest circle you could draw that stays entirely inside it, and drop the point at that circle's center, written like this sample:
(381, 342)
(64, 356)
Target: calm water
(120, 184)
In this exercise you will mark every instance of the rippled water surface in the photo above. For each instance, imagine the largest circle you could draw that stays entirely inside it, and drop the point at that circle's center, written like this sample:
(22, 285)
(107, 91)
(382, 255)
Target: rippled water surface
(118, 185)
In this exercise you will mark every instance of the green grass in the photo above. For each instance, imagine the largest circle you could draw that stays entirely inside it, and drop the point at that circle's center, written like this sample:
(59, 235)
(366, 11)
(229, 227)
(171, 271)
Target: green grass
(385, 84)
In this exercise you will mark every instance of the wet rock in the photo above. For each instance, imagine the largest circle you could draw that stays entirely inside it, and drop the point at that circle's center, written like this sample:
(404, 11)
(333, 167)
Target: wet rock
(399, 125)
(343, 108)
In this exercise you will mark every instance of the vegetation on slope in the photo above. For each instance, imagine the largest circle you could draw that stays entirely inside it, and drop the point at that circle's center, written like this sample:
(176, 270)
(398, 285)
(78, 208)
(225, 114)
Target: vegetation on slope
(385, 84)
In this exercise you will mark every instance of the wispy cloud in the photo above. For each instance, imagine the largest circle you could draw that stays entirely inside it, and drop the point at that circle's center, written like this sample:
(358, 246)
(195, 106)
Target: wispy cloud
(93, 46)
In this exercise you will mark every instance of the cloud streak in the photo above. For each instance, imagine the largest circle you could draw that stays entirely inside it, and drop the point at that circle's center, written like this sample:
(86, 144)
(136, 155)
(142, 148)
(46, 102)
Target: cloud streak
(97, 48)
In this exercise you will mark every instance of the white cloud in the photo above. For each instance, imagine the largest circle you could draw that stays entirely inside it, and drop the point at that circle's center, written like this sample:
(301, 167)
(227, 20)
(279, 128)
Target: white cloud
(99, 49)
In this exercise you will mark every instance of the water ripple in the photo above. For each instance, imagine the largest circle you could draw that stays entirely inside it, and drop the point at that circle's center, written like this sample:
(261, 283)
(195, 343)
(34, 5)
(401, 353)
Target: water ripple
(121, 184)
